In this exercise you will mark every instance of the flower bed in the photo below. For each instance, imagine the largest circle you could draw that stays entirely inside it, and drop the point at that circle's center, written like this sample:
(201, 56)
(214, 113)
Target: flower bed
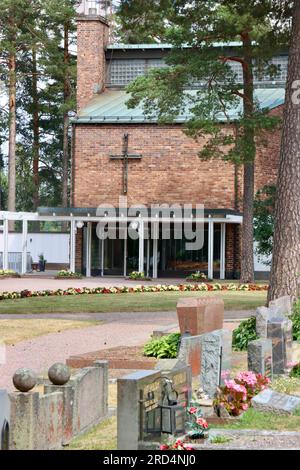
(5, 273)
(135, 289)
(63, 274)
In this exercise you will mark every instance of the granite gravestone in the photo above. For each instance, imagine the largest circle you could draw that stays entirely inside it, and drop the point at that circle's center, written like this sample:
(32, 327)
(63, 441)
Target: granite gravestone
(279, 331)
(199, 316)
(215, 360)
(260, 357)
(278, 308)
(190, 353)
(274, 402)
(4, 420)
(147, 403)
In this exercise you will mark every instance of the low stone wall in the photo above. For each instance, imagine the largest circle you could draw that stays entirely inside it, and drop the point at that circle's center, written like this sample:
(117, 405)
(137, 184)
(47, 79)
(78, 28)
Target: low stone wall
(49, 420)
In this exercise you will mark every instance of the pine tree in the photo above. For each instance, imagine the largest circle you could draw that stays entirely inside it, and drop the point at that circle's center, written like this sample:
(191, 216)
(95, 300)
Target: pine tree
(286, 252)
(16, 23)
(199, 25)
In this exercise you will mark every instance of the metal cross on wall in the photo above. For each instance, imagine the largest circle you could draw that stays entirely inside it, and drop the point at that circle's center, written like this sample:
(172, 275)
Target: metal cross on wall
(125, 157)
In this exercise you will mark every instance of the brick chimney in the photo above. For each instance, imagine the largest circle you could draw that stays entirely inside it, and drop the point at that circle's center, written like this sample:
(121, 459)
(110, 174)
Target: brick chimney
(92, 39)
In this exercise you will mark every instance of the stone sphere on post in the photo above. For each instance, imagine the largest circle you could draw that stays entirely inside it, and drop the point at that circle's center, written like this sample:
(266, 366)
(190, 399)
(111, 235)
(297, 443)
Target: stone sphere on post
(59, 374)
(24, 380)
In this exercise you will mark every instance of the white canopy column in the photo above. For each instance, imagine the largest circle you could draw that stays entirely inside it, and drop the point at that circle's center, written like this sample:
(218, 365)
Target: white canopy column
(155, 228)
(89, 249)
(141, 245)
(72, 245)
(223, 251)
(210, 248)
(24, 246)
(5, 244)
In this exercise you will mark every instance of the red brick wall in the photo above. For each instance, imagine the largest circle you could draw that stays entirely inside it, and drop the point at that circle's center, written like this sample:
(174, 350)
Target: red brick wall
(92, 37)
(267, 159)
(169, 172)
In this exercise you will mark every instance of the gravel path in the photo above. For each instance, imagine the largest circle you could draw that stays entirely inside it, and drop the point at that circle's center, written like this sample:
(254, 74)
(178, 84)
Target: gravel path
(121, 316)
(40, 353)
(119, 329)
(247, 439)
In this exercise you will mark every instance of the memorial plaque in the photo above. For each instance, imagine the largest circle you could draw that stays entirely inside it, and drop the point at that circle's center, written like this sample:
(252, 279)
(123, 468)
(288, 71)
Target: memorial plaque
(274, 402)
(150, 399)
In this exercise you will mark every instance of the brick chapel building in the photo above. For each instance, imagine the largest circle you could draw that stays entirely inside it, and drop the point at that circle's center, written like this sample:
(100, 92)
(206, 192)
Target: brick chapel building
(166, 169)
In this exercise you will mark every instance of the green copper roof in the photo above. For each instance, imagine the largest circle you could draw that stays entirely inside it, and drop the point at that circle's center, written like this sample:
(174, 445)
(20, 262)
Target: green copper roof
(110, 107)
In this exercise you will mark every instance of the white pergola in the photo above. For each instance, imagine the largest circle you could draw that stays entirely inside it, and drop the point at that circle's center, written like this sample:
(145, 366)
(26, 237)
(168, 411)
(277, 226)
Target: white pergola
(77, 219)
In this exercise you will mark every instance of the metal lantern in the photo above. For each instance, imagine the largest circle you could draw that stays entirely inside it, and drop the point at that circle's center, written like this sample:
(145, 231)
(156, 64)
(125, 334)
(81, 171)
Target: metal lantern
(172, 419)
(172, 414)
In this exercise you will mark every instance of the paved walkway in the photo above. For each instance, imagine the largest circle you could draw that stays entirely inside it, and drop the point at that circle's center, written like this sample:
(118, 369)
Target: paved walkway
(119, 329)
(40, 353)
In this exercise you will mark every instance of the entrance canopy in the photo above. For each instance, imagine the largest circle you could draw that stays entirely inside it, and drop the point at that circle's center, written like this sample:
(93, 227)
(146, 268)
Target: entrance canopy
(79, 218)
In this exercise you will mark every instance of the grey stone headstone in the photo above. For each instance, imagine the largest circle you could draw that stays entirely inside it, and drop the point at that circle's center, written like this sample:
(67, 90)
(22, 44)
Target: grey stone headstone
(4, 420)
(216, 359)
(283, 305)
(138, 394)
(263, 316)
(280, 333)
(260, 357)
(274, 402)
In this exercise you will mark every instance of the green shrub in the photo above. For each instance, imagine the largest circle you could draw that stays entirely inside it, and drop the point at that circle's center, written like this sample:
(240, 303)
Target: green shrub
(197, 276)
(68, 274)
(135, 275)
(295, 372)
(245, 333)
(164, 347)
(295, 317)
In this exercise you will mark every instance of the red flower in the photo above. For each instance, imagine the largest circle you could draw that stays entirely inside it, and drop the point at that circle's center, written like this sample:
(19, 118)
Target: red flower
(164, 447)
(193, 410)
(202, 422)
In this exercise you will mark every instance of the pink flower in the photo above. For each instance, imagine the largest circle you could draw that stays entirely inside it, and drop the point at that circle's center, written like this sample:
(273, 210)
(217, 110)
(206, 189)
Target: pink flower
(202, 422)
(188, 447)
(193, 410)
(245, 406)
(164, 447)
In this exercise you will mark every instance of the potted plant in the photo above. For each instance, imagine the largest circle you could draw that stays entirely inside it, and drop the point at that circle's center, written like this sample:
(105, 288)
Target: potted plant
(42, 263)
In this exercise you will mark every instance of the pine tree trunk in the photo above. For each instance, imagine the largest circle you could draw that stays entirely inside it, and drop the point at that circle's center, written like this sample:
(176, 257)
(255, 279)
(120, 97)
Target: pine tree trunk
(286, 251)
(67, 93)
(248, 144)
(36, 132)
(12, 136)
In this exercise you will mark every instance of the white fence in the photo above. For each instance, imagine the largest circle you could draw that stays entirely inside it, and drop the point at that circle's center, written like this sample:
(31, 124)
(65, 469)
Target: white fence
(54, 246)
(15, 261)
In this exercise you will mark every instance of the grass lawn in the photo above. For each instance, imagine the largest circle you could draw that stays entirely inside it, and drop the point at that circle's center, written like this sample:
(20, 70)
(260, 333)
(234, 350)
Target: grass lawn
(11, 332)
(253, 419)
(137, 302)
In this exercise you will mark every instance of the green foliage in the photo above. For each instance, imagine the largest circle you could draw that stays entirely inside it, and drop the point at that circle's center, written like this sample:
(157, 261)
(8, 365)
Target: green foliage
(165, 92)
(68, 274)
(295, 317)
(163, 348)
(295, 372)
(245, 333)
(264, 206)
(197, 276)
